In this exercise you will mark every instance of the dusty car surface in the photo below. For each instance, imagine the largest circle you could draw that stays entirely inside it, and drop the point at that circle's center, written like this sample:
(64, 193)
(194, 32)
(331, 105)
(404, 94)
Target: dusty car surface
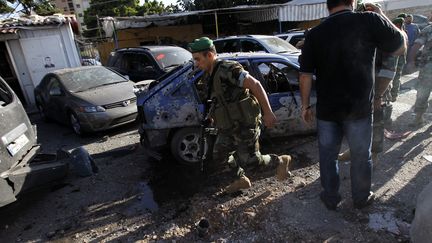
(21, 166)
(171, 108)
(89, 99)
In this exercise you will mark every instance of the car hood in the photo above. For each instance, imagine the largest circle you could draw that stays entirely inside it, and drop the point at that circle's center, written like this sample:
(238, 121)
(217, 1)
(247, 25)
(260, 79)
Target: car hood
(293, 56)
(108, 94)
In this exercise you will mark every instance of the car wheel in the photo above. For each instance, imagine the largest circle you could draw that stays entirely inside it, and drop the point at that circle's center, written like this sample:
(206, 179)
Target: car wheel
(75, 124)
(185, 145)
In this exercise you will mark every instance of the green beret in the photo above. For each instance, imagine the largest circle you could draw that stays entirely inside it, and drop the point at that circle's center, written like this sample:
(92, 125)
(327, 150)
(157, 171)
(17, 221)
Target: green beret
(402, 15)
(398, 21)
(201, 44)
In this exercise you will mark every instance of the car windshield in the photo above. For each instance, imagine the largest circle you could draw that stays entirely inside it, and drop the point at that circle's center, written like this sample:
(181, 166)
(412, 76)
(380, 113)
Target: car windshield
(88, 78)
(172, 57)
(277, 45)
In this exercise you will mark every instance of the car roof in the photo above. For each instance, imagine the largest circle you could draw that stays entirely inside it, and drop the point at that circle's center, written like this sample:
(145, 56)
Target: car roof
(244, 36)
(150, 48)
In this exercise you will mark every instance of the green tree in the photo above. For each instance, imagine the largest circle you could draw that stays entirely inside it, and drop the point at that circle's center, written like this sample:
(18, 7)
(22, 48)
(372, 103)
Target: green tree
(4, 7)
(104, 8)
(120, 8)
(41, 7)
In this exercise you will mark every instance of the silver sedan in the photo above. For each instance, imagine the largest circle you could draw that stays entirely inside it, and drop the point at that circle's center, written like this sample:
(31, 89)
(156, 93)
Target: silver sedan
(89, 99)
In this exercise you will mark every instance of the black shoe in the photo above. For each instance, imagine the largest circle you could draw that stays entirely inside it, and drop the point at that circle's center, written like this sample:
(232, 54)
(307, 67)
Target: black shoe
(364, 203)
(330, 204)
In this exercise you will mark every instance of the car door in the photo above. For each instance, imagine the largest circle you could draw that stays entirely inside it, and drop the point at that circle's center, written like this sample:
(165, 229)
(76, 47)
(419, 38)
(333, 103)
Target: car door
(281, 82)
(55, 99)
(138, 66)
(251, 46)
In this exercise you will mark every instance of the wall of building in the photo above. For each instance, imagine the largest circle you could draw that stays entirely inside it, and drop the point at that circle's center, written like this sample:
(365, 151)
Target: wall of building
(423, 10)
(28, 52)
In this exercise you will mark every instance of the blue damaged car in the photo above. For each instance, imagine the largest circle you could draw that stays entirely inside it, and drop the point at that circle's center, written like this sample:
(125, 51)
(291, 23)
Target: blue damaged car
(170, 108)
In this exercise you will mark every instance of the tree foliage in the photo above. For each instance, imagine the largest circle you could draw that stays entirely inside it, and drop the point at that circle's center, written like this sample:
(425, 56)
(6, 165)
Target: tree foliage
(41, 7)
(119, 8)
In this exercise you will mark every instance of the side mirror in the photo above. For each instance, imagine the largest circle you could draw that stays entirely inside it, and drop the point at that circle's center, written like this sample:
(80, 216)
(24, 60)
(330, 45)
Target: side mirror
(56, 92)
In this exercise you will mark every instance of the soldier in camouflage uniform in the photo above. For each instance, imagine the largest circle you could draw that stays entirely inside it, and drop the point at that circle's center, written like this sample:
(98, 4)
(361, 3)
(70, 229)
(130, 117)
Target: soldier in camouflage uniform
(424, 62)
(401, 61)
(238, 99)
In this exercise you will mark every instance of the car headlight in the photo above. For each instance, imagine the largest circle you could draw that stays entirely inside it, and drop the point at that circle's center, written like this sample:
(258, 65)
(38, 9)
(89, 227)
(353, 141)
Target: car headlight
(91, 109)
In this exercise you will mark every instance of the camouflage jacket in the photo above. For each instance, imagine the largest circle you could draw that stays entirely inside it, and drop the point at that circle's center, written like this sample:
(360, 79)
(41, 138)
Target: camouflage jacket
(425, 38)
(233, 103)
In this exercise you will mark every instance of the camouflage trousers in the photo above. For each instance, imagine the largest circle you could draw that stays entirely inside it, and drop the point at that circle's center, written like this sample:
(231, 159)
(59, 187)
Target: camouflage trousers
(396, 80)
(238, 147)
(424, 88)
(381, 118)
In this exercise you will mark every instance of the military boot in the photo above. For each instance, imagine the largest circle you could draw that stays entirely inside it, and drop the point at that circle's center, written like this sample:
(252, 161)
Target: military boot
(418, 121)
(345, 156)
(242, 183)
(282, 171)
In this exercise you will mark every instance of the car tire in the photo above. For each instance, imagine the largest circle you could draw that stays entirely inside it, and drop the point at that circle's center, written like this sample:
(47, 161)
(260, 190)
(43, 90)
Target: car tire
(82, 163)
(185, 145)
(75, 124)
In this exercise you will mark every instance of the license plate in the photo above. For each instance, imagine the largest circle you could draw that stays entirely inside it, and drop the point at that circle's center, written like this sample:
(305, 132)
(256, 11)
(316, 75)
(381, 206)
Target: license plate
(17, 145)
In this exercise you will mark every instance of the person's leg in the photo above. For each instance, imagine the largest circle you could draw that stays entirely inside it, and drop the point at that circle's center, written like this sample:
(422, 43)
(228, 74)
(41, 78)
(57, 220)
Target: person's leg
(330, 136)
(423, 92)
(359, 136)
(378, 131)
(248, 152)
(223, 152)
(396, 80)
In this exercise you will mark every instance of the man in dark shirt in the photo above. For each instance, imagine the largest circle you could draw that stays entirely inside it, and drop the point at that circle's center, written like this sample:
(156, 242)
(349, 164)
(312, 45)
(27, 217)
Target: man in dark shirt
(340, 52)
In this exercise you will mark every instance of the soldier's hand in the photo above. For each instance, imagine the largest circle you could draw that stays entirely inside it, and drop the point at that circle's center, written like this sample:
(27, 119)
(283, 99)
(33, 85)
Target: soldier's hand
(307, 116)
(378, 104)
(373, 8)
(269, 119)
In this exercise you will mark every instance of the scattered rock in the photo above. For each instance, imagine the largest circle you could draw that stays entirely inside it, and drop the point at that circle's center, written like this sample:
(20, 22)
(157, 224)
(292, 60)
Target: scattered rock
(50, 234)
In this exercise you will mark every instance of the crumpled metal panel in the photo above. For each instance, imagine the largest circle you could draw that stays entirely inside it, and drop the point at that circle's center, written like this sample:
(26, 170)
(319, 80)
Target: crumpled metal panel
(171, 104)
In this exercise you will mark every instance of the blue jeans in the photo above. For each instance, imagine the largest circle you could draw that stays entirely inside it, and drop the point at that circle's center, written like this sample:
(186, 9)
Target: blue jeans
(359, 136)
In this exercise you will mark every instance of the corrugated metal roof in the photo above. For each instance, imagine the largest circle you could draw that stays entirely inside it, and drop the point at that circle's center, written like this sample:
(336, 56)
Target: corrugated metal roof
(12, 25)
(303, 10)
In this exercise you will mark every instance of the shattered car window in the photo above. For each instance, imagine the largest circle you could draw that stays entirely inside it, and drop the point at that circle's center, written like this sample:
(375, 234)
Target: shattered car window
(277, 45)
(171, 58)
(84, 79)
(6, 96)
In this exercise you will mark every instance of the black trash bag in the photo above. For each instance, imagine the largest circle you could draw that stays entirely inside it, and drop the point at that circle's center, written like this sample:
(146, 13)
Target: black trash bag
(82, 163)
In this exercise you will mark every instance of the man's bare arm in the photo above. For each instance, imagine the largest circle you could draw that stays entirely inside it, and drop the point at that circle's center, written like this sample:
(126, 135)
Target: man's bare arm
(258, 91)
(305, 90)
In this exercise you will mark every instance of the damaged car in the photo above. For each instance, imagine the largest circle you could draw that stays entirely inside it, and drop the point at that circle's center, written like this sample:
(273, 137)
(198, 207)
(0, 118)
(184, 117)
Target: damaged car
(170, 109)
(89, 99)
(22, 166)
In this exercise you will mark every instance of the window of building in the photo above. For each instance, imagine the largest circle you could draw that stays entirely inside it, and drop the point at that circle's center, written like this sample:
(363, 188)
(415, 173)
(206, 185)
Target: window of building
(78, 6)
(80, 15)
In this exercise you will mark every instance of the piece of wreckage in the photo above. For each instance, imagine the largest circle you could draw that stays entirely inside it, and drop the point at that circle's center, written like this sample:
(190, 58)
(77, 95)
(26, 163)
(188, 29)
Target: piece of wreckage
(22, 166)
(170, 109)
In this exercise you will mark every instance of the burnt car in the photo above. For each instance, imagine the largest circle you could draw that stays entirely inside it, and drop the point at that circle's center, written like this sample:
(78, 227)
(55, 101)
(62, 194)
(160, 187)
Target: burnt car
(22, 167)
(89, 99)
(170, 109)
(147, 62)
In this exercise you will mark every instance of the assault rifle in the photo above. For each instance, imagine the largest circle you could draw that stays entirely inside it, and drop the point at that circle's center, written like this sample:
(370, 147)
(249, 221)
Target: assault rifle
(205, 129)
